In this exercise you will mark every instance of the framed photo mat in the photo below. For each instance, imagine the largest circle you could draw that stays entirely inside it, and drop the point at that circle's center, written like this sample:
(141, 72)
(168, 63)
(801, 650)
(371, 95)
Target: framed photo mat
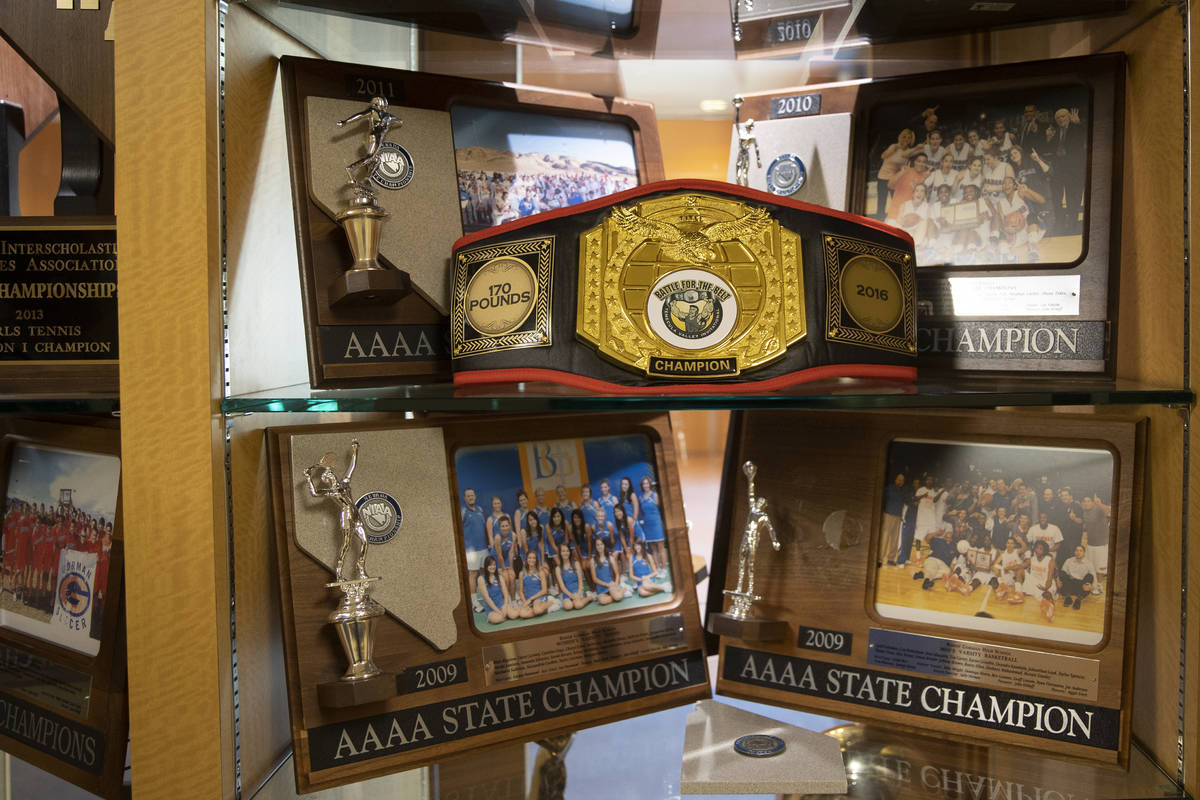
(827, 580)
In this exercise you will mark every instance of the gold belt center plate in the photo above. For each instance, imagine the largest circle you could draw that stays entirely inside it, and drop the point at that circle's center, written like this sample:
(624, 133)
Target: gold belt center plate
(690, 286)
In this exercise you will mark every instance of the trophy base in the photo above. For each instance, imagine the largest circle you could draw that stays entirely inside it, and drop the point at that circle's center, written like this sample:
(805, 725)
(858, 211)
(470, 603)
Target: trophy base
(369, 287)
(344, 694)
(750, 629)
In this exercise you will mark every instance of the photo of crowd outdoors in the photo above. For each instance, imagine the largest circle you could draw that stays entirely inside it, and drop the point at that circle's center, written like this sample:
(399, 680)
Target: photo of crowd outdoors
(514, 164)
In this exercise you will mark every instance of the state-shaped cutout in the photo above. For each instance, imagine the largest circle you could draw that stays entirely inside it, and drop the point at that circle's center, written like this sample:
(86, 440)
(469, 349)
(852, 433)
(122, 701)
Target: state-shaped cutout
(419, 584)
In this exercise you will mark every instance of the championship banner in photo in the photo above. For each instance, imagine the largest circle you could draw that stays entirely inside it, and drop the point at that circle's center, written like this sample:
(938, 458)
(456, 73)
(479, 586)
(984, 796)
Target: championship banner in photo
(76, 593)
(548, 465)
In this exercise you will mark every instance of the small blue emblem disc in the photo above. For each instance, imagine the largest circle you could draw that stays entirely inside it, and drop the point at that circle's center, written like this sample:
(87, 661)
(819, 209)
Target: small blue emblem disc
(786, 175)
(759, 745)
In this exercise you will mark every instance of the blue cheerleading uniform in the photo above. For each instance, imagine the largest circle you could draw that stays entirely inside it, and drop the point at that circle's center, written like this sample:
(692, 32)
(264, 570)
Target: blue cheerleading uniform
(638, 533)
(651, 520)
(608, 503)
(503, 550)
(531, 583)
(604, 571)
(615, 541)
(589, 513)
(560, 535)
(640, 568)
(570, 579)
(496, 593)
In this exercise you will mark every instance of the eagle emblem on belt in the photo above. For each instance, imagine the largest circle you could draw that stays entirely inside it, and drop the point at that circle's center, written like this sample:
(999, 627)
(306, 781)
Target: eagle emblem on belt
(695, 247)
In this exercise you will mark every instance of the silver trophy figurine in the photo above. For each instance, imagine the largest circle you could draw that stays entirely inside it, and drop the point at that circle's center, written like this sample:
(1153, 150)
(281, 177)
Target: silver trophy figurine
(356, 614)
(746, 140)
(738, 620)
(367, 281)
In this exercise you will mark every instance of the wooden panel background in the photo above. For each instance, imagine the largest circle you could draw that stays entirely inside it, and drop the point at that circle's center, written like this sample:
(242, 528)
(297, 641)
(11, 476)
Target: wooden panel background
(180, 692)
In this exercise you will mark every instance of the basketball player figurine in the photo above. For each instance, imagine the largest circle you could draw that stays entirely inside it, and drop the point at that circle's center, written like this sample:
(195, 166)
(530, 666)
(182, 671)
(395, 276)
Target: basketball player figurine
(356, 615)
(367, 281)
(738, 621)
(746, 140)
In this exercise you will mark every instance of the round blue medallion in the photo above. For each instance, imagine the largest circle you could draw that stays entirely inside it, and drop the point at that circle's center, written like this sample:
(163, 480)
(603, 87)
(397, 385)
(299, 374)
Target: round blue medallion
(381, 516)
(786, 175)
(759, 745)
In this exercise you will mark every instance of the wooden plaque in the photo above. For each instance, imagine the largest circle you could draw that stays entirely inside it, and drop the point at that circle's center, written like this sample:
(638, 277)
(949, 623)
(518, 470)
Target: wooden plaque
(481, 657)
(63, 701)
(1032, 287)
(923, 605)
(472, 154)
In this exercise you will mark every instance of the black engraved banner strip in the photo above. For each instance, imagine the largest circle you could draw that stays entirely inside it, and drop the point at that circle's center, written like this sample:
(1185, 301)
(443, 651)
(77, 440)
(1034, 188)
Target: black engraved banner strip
(374, 344)
(424, 726)
(58, 294)
(47, 732)
(1093, 726)
(1005, 339)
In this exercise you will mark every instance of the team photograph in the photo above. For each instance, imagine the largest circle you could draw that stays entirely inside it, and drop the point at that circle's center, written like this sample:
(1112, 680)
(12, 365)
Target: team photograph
(997, 178)
(560, 529)
(1003, 538)
(514, 164)
(57, 542)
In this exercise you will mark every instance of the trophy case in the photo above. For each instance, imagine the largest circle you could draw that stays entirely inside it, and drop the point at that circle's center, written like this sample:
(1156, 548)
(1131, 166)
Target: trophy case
(214, 354)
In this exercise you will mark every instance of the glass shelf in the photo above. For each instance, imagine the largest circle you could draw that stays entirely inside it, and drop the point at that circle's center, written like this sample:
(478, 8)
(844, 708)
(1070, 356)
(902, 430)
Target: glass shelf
(840, 394)
(60, 404)
(881, 765)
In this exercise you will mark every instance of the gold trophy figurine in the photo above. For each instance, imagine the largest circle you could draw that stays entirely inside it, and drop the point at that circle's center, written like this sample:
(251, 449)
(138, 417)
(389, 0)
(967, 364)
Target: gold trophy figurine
(367, 281)
(738, 621)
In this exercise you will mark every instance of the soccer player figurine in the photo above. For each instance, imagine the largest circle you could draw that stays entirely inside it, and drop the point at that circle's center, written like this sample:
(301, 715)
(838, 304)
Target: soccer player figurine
(366, 281)
(738, 621)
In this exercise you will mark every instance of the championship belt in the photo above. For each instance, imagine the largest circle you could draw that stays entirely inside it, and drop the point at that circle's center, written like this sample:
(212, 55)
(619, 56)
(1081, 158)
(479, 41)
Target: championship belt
(684, 286)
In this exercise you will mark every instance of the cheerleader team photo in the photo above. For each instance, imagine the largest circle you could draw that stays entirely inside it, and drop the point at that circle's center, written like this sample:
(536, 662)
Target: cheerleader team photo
(554, 530)
(1002, 538)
